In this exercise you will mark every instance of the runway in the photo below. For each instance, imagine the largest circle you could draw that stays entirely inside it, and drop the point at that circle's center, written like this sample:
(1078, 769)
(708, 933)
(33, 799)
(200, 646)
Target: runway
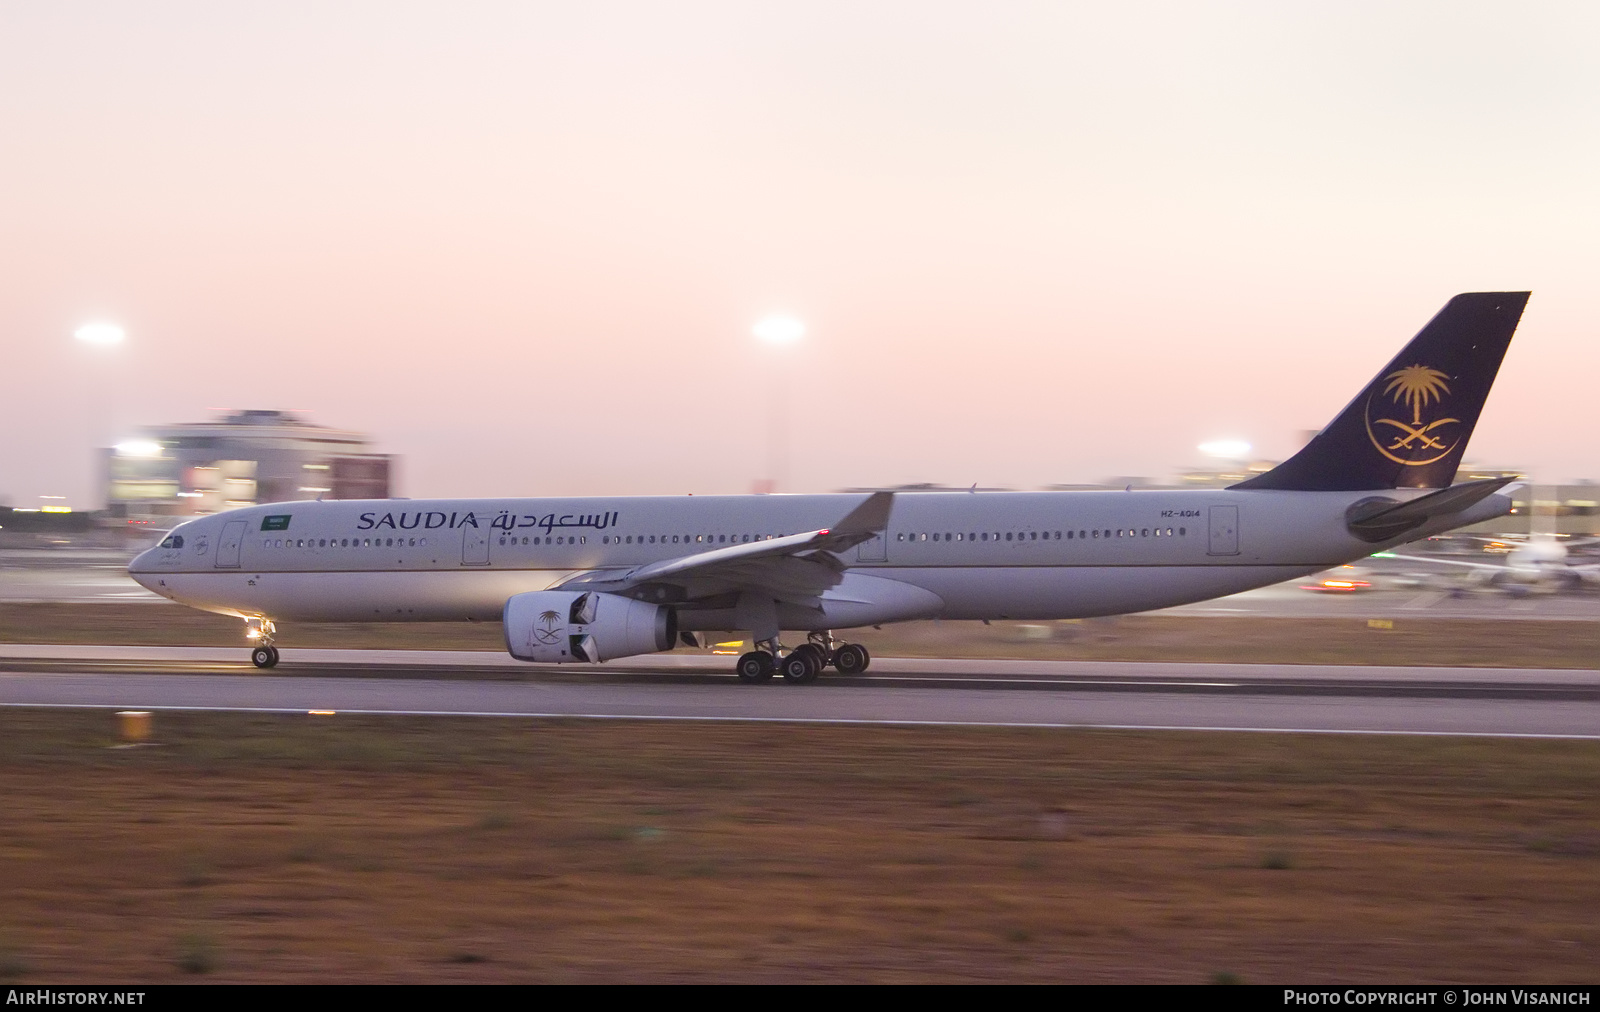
(1045, 694)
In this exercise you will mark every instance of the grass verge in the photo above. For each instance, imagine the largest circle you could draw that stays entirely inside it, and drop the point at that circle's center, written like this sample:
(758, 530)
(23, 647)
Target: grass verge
(462, 849)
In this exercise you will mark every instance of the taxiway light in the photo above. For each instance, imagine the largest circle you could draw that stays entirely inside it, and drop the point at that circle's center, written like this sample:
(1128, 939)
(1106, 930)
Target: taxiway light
(102, 334)
(135, 725)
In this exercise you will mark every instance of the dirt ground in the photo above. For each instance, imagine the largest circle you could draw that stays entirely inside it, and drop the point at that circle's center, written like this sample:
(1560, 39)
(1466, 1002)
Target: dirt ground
(279, 848)
(1410, 640)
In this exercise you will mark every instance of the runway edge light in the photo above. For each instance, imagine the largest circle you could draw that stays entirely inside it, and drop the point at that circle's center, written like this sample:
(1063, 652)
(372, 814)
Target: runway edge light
(134, 725)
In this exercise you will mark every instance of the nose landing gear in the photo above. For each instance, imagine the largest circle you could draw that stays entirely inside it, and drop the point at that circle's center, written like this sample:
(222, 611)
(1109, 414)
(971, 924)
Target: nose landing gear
(265, 655)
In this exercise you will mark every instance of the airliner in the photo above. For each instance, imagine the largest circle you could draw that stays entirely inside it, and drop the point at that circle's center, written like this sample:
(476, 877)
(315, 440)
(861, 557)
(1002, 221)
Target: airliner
(1540, 562)
(594, 579)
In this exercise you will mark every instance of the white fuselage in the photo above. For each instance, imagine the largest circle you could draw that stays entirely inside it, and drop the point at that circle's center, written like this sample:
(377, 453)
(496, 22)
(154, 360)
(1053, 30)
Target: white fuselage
(1012, 555)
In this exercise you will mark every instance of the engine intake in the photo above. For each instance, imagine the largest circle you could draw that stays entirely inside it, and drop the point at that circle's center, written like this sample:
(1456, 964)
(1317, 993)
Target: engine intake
(562, 626)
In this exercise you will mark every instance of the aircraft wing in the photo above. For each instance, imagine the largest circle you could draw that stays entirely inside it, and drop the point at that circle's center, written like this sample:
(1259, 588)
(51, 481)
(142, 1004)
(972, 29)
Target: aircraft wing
(797, 567)
(1450, 562)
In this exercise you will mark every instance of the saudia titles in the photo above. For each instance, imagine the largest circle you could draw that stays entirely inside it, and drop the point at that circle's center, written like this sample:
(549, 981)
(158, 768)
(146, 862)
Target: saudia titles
(1418, 441)
(505, 520)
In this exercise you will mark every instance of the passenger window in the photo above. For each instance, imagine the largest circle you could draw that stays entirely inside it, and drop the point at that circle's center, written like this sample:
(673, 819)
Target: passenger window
(1144, 532)
(1008, 535)
(1182, 532)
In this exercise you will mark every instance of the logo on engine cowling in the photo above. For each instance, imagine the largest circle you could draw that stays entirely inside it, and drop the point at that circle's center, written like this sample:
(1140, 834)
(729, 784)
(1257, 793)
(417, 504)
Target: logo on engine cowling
(1424, 439)
(547, 629)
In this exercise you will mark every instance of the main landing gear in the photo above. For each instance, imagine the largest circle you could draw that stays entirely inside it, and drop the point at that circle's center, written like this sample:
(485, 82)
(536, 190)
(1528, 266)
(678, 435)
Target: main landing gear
(265, 655)
(805, 663)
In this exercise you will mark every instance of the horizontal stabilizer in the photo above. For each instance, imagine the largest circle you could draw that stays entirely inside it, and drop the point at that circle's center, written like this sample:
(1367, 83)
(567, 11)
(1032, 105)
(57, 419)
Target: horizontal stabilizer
(1377, 520)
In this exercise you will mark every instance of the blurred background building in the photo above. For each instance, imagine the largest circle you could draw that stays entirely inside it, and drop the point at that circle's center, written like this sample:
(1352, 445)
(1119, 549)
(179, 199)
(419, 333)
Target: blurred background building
(248, 457)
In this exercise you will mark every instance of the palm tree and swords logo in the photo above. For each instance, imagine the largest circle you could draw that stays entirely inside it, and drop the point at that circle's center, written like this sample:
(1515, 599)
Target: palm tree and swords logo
(546, 631)
(1415, 387)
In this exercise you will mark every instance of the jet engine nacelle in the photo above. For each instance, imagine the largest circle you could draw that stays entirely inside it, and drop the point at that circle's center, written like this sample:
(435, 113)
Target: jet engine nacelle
(561, 626)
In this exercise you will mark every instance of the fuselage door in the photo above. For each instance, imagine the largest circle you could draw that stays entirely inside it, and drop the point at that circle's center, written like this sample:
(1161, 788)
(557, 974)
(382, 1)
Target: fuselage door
(228, 544)
(1224, 531)
(474, 547)
(874, 550)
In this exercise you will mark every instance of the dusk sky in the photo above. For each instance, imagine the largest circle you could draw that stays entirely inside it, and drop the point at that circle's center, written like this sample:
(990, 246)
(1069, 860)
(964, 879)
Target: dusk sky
(523, 244)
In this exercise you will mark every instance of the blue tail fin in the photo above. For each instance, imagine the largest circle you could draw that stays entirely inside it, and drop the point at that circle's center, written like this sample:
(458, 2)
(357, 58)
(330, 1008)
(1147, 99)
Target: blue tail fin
(1410, 426)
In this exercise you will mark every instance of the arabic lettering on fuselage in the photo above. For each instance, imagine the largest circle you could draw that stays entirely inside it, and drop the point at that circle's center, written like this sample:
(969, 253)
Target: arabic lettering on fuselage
(505, 520)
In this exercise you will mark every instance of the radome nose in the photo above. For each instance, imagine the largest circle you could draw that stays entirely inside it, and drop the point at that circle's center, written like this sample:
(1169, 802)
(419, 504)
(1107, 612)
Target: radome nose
(140, 566)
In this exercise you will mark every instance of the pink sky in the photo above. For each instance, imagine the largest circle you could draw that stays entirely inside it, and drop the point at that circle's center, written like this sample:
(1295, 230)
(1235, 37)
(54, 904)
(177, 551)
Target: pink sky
(524, 244)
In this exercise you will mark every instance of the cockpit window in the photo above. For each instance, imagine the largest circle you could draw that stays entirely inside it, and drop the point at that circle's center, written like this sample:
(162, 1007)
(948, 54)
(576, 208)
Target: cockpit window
(174, 541)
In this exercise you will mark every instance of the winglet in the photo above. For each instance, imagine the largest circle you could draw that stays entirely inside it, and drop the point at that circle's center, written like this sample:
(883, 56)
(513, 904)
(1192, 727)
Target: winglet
(871, 517)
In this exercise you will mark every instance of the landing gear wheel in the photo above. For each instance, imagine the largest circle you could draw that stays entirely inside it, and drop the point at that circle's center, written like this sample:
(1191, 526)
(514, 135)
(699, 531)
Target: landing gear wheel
(264, 657)
(818, 652)
(851, 659)
(274, 657)
(756, 666)
(802, 665)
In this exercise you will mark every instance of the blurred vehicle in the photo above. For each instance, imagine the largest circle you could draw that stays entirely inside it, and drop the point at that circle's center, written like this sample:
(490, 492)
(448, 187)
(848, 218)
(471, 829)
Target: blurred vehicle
(1343, 580)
